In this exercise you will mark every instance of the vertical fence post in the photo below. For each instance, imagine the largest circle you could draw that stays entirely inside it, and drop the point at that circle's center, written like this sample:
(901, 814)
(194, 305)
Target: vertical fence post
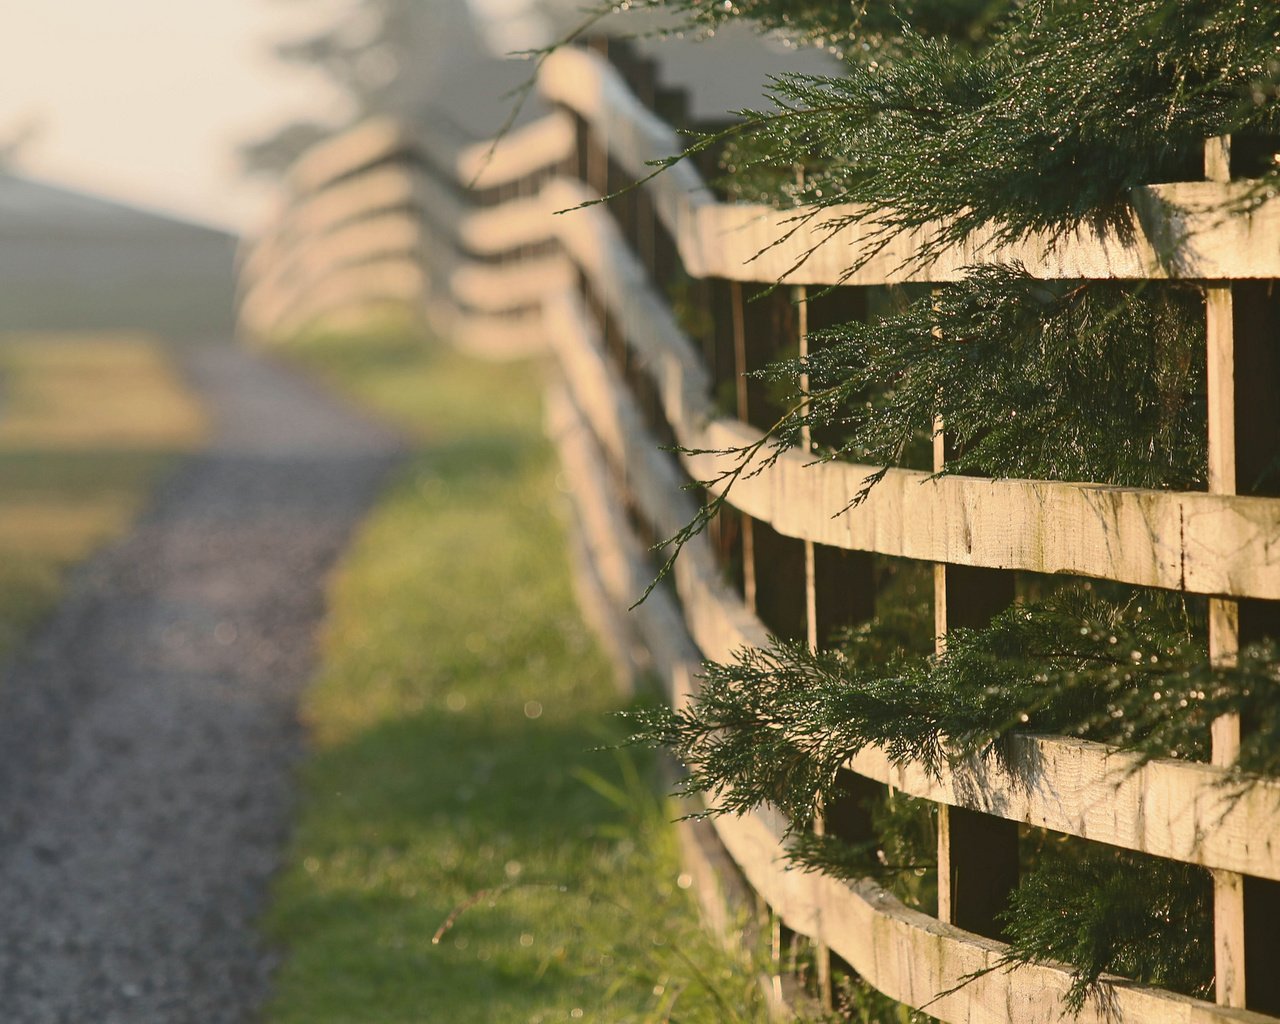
(1224, 615)
(844, 589)
(768, 332)
(646, 87)
(738, 315)
(977, 853)
(800, 298)
(1243, 368)
(597, 169)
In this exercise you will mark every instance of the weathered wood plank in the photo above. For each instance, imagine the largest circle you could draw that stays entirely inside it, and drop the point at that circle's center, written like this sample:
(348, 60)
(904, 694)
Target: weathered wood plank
(498, 287)
(522, 152)
(1186, 812)
(366, 143)
(1200, 543)
(1182, 230)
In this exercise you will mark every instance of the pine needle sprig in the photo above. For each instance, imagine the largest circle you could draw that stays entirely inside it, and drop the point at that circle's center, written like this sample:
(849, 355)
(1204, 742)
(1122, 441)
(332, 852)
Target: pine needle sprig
(901, 853)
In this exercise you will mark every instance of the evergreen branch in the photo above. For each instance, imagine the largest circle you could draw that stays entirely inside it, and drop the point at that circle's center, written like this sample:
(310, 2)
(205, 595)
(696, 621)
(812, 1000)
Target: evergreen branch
(778, 724)
(1108, 911)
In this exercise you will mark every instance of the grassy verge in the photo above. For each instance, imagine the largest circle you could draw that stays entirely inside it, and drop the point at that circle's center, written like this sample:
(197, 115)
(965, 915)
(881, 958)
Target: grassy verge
(86, 422)
(455, 723)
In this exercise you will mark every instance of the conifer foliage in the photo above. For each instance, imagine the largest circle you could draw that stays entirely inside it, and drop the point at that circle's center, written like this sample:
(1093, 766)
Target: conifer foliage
(1110, 911)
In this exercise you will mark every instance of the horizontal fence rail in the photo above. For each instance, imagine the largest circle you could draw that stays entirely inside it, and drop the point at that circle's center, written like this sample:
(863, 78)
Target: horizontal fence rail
(506, 249)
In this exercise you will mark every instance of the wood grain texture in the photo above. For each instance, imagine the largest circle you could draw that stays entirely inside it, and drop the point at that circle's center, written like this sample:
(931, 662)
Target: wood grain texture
(1186, 812)
(1200, 543)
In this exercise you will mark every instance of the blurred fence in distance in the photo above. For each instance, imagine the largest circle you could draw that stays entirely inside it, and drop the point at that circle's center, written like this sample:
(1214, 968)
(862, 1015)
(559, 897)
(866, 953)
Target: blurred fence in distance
(641, 301)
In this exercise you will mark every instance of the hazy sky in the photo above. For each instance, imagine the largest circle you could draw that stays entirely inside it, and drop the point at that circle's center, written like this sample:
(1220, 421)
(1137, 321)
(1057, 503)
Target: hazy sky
(146, 100)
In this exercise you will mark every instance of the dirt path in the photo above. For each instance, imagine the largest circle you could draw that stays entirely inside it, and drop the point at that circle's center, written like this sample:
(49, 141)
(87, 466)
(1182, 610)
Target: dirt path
(148, 733)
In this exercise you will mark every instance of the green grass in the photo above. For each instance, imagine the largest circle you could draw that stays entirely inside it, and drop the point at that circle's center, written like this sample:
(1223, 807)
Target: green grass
(86, 424)
(455, 724)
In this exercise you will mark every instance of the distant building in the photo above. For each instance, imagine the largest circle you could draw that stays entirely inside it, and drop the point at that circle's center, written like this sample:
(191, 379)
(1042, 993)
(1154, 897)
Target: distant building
(74, 261)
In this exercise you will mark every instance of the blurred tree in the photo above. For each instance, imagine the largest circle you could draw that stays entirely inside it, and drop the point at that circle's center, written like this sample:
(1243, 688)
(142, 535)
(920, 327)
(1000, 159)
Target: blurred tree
(19, 136)
(420, 62)
(271, 155)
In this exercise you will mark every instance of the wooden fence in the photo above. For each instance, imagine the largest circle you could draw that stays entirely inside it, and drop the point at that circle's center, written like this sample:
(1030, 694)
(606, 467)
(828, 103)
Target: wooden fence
(470, 235)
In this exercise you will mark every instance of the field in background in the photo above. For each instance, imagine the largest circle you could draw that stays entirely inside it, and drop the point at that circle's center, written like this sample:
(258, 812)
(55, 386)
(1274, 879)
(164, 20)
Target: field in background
(455, 727)
(86, 423)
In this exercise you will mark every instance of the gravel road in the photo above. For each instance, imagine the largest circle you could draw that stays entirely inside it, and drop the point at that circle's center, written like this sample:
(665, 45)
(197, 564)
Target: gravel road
(148, 733)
